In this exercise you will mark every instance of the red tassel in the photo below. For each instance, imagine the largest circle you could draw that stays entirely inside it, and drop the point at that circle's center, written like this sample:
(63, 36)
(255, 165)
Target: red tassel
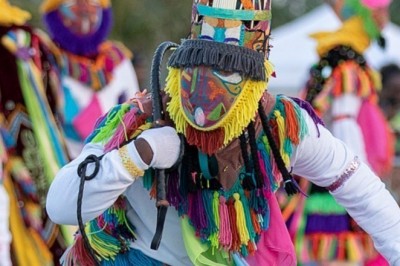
(207, 141)
(78, 254)
(234, 230)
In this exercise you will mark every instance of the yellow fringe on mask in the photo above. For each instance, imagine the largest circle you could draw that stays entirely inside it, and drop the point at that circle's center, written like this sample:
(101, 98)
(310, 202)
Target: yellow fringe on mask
(238, 116)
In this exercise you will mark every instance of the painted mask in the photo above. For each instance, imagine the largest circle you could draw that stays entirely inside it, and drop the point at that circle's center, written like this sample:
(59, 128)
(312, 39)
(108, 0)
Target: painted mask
(222, 65)
(82, 17)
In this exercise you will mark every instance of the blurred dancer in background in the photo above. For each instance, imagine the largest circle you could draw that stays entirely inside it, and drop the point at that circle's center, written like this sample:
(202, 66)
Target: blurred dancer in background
(390, 98)
(344, 91)
(95, 73)
(34, 145)
(5, 234)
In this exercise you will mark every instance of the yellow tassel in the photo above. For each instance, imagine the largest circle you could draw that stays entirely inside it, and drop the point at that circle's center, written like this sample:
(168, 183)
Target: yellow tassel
(241, 220)
(140, 130)
(376, 79)
(238, 116)
(365, 83)
(282, 135)
(346, 80)
(214, 237)
(353, 249)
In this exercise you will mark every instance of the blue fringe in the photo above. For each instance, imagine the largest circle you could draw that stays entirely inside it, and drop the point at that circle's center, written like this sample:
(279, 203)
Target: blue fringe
(132, 257)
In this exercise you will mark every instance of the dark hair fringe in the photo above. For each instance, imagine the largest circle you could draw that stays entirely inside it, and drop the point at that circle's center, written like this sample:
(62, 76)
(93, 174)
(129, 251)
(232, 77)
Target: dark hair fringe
(332, 59)
(220, 56)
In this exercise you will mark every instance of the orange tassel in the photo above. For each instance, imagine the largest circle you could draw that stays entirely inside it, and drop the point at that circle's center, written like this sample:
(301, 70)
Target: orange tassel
(251, 248)
(153, 190)
(292, 124)
(254, 221)
(247, 4)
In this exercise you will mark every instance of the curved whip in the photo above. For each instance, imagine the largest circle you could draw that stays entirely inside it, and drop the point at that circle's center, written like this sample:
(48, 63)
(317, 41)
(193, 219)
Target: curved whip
(158, 115)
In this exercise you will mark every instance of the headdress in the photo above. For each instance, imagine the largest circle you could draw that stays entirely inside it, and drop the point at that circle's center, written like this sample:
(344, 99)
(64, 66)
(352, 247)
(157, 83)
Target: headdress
(347, 9)
(11, 15)
(84, 45)
(51, 5)
(359, 25)
(225, 60)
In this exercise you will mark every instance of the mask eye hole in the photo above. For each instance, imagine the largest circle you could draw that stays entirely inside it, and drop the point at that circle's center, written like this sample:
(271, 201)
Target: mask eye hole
(229, 77)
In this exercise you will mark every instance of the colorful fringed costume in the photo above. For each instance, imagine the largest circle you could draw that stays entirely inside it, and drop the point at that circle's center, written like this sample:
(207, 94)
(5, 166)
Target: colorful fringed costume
(35, 147)
(5, 234)
(240, 144)
(95, 74)
(344, 91)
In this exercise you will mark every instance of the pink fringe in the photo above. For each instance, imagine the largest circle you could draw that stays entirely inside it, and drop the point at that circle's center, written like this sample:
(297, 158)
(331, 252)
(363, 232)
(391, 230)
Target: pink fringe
(373, 4)
(130, 123)
(77, 254)
(225, 237)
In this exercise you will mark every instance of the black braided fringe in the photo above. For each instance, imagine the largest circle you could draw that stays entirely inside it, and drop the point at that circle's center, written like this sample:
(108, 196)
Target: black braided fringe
(220, 56)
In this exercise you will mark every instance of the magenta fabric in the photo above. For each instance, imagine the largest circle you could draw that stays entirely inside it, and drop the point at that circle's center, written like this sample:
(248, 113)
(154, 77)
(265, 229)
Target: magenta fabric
(379, 141)
(372, 4)
(85, 121)
(378, 261)
(275, 247)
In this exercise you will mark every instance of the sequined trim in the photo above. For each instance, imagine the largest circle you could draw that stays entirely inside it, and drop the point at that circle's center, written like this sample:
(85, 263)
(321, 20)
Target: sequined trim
(351, 168)
(129, 165)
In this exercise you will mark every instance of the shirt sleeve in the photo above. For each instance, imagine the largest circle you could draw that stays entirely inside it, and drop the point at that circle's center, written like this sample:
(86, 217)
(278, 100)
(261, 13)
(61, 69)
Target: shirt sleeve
(324, 159)
(99, 193)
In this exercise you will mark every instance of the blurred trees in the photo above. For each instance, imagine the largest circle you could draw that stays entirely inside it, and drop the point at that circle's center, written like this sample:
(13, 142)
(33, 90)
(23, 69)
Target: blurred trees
(142, 25)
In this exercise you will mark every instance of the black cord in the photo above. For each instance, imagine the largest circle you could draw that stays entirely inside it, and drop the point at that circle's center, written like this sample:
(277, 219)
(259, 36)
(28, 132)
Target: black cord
(290, 185)
(162, 203)
(82, 168)
(247, 182)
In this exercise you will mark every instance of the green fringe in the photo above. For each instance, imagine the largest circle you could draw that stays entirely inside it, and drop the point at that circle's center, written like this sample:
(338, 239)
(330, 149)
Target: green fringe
(114, 117)
(323, 203)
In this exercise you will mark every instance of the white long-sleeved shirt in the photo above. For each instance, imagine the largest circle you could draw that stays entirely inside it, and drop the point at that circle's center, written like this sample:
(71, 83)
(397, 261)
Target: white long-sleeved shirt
(319, 159)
